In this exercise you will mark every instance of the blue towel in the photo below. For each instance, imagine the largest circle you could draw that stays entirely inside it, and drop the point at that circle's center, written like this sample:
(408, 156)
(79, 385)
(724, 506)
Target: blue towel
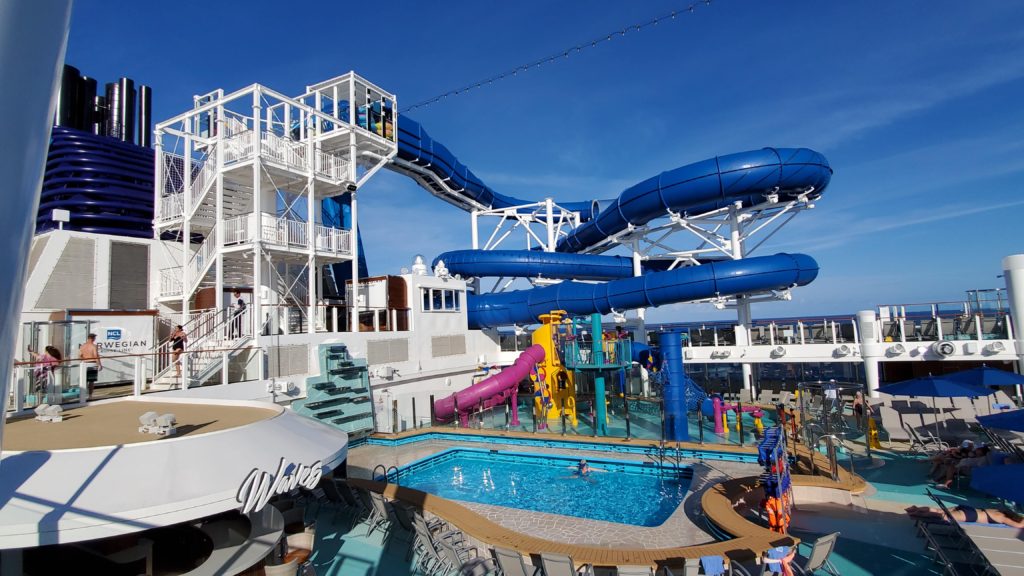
(777, 553)
(713, 565)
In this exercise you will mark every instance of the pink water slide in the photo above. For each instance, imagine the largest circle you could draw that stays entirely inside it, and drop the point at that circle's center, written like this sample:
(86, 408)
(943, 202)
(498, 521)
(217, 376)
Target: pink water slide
(492, 391)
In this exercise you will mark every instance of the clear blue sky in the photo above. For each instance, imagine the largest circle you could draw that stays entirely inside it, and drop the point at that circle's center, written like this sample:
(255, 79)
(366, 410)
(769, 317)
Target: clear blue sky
(917, 105)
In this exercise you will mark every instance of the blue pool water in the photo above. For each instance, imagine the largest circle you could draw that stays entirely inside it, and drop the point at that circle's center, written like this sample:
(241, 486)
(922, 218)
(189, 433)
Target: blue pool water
(624, 492)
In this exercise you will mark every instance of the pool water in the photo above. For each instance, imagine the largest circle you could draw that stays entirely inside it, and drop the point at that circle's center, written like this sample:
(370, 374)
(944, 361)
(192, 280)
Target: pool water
(634, 493)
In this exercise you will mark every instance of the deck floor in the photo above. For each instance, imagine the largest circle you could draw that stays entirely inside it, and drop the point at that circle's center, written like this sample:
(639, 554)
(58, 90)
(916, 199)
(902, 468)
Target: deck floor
(117, 422)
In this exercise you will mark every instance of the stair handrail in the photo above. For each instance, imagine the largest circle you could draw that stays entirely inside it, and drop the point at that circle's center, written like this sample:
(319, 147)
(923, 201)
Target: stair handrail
(387, 473)
(373, 474)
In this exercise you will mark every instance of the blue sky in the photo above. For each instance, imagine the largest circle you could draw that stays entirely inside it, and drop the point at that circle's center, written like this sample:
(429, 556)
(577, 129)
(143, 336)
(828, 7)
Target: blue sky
(917, 105)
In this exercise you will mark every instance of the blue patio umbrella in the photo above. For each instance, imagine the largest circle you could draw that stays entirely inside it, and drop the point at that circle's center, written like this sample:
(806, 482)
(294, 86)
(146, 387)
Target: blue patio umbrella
(1012, 420)
(985, 376)
(935, 387)
(1006, 482)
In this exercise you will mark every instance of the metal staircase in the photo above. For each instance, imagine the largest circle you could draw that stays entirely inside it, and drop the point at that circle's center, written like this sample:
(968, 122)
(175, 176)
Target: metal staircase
(214, 337)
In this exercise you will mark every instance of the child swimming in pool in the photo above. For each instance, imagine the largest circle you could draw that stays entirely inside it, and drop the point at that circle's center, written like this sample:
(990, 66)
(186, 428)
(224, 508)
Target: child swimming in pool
(582, 468)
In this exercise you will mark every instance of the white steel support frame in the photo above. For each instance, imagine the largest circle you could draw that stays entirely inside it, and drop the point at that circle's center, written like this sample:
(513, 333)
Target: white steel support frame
(542, 224)
(305, 149)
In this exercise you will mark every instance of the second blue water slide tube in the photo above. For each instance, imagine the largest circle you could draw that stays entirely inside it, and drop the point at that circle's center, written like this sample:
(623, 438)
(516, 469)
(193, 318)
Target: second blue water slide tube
(755, 274)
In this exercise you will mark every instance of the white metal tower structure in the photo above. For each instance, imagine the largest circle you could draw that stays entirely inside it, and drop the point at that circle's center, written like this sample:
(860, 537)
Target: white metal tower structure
(240, 182)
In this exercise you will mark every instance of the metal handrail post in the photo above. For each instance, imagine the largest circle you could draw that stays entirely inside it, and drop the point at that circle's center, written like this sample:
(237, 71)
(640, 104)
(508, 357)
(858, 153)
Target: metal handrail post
(432, 415)
(625, 408)
(700, 426)
(739, 420)
(415, 424)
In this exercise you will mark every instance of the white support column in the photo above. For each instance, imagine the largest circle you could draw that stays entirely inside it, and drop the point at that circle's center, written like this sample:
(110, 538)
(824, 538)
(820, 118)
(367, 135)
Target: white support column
(218, 150)
(870, 349)
(353, 304)
(743, 313)
(1013, 274)
(257, 244)
(474, 227)
(549, 206)
(641, 313)
(311, 285)
(158, 175)
(186, 230)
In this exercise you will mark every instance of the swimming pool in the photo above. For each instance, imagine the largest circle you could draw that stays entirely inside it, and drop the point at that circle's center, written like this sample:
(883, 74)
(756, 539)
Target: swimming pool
(637, 493)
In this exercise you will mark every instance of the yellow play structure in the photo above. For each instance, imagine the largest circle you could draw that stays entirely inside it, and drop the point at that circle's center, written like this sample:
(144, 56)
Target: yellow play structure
(556, 385)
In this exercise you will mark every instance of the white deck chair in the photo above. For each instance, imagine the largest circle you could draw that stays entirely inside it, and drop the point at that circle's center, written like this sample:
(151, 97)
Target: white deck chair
(818, 559)
(511, 563)
(562, 565)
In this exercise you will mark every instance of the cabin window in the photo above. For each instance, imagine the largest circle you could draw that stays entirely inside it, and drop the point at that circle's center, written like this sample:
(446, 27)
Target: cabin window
(441, 300)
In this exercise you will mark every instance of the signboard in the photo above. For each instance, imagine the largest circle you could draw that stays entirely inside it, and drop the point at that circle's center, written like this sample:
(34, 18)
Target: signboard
(260, 486)
(117, 335)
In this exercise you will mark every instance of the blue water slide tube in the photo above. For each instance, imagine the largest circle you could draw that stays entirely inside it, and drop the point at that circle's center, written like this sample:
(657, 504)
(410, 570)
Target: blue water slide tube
(417, 147)
(703, 186)
(755, 274)
(530, 263)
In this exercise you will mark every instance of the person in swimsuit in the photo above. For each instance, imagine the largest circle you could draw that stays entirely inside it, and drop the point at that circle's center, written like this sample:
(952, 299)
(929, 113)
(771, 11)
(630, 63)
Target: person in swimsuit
(178, 339)
(970, 514)
(583, 468)
(90, 354)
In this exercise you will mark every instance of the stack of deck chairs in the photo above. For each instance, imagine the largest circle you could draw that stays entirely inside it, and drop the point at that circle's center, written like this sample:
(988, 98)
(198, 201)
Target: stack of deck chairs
(776, 481)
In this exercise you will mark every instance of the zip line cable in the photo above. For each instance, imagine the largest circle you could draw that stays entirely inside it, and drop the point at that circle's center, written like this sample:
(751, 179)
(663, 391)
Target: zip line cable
(572, 50)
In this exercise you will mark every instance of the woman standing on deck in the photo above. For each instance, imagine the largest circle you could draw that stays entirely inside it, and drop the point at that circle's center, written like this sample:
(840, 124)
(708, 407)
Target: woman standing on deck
(178, 339)
(47, 362)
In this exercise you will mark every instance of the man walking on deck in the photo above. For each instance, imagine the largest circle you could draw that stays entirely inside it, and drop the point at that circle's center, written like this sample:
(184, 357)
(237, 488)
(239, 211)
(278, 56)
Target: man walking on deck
(89, 353)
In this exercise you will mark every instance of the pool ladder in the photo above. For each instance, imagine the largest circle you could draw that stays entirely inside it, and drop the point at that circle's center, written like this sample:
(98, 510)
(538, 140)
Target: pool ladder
(664, 454)
(387, 473)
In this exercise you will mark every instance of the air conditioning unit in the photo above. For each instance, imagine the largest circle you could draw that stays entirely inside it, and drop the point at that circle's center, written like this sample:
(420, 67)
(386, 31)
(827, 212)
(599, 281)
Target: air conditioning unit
(995, 347)
(844, 350)
(896, 350)
(778, 352)
(944, 348)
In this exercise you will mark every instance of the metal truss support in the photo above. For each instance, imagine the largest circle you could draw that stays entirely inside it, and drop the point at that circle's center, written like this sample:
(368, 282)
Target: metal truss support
(542, 224)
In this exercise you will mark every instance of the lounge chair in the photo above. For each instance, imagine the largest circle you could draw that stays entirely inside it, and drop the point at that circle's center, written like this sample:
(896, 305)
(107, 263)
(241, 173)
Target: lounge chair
(925, 443)
(510, 563)
(711, 566)
(430, 561)
(818, 559)
(633, 571)
(561, 565)
(894, 429)
(379, 516)
(466, 559)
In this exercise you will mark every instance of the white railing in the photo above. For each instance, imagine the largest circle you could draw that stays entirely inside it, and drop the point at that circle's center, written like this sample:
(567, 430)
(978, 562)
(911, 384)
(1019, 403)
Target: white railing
(204, 179)
(333, 240)
(238, 230)
(331, 166)
(233, 126)
(282, 231)
(202, 258)
(172, 179)
(171, 206)
(170, 281)
(238, 147)
(283, 150)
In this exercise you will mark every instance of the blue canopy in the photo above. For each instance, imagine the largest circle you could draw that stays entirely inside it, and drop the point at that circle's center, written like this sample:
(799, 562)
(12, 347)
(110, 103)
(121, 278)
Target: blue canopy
(935, 386)
(1012, 420)
(1006, 482)
(985, 376)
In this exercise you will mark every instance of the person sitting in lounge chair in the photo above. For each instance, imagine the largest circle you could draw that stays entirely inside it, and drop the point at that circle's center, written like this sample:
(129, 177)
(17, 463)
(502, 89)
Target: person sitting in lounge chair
(963, 466)
(970, 514)
(951, 456)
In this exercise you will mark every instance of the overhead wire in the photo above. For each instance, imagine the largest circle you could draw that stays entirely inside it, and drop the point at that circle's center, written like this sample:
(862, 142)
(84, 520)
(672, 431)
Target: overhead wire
(564, 53)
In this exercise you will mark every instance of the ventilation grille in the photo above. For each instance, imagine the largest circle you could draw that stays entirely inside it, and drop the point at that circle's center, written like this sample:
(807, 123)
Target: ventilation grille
(287, 360)
(387, 351)
(72, 281)
(448, 345)
(129, 276)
